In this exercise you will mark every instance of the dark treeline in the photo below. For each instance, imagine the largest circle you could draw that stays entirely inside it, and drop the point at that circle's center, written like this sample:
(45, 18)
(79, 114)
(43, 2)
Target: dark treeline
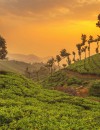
(82, 48)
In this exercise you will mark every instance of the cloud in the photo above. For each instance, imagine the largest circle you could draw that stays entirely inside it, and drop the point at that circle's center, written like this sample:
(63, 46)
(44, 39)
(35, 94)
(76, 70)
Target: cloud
(42, 9)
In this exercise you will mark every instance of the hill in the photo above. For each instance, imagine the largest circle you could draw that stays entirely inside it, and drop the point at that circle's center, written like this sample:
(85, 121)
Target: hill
(25, 105)
(77, 79)
(20, 67)
(89, 66)
(27, 58)
(13, 66)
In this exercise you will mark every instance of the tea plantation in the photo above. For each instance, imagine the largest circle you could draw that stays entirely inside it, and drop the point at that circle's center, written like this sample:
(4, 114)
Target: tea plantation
(88, 66)
(25, 105)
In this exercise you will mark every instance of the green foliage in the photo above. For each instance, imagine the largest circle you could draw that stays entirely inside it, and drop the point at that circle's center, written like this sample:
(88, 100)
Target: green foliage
(3, 48)
(25, 105)
(95, 88)
(59, 78)
(88, 66)
(74, 80)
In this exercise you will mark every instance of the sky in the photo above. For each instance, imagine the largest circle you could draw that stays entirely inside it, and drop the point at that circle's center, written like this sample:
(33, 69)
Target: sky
(44, 27)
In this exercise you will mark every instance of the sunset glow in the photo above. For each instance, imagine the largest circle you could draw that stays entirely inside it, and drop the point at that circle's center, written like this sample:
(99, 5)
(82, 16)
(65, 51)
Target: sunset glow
(44, 27)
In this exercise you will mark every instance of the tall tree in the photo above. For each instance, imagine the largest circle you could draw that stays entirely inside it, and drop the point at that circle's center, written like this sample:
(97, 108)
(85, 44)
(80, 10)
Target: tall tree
(98, 39)
(83, 38)
(58, 59)
(89, 43)
(68, 58)
(50, 63)
(3, 48)
(63, 53)
(79, 50)
(84, 49)
(97, 50)
(74, 54)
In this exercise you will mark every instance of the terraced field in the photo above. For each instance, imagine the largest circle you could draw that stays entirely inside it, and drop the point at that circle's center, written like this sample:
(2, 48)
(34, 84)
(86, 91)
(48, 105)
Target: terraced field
(25, 105)
(89, 66)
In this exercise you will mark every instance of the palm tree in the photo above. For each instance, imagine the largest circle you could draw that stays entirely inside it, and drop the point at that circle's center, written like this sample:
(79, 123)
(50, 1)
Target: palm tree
(79, 50)
(74, 54)
(58, 59)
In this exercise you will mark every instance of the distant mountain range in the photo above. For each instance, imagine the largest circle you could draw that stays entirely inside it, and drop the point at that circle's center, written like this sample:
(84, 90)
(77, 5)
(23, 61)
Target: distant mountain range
(27, 58)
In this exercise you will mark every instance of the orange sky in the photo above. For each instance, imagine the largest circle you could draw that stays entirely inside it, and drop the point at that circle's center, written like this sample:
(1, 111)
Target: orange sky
(44, 27)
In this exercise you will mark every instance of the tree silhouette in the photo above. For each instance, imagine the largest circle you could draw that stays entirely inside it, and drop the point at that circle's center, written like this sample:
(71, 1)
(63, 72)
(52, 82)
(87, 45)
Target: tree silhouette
(98, 23)
(64, 65)
(98, 39)
(79, 50)
(84, 49)
(3, 48)
(58, 59)
(83, 38)
(89, 43)
(74, 54)
(68, 58)
(97, 50)
(50, 64)
(63, 53)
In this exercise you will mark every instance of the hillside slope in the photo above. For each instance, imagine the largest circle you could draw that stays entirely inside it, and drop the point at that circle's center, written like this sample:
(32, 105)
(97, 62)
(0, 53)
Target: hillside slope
(89, 66)
(25, 105)
(20, 67)
(31, 58)
(13, 66)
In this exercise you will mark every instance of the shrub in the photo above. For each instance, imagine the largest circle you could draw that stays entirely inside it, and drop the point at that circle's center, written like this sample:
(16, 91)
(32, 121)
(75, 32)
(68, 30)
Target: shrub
(95, 88)
(74, 80)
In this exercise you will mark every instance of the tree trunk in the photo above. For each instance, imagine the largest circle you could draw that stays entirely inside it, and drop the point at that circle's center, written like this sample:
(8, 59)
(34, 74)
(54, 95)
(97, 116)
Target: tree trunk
(98, 46)
(74, 58)
(58, 65)
(89, 51)
(80, 56)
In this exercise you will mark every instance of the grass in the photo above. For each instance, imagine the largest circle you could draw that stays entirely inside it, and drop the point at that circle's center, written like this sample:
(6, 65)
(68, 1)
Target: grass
(25, 105)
